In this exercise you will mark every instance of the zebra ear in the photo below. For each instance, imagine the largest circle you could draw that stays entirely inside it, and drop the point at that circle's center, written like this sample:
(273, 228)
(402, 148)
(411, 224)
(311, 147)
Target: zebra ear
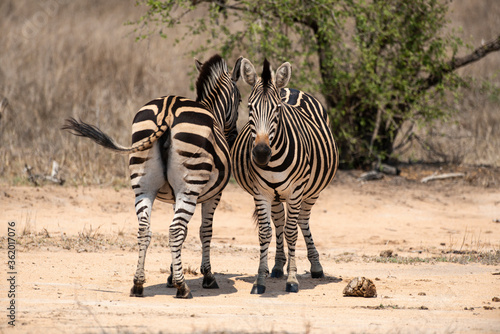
(283, 75)
(248, 72)
(237, 70)
(198, 64)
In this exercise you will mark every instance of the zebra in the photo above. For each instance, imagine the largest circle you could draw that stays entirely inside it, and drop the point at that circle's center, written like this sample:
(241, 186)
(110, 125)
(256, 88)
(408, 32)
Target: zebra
(284, 154)
(180, 154)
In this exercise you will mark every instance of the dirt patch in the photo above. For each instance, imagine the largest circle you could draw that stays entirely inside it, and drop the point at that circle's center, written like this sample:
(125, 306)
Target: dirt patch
(77, 256)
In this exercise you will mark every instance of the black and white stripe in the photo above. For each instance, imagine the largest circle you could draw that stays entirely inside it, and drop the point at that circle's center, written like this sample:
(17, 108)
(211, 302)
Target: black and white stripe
(284, 154)
(180, 155)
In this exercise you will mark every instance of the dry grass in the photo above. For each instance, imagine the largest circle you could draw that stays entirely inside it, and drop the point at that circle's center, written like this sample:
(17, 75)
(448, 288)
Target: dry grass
(77, 59)
(62, 59)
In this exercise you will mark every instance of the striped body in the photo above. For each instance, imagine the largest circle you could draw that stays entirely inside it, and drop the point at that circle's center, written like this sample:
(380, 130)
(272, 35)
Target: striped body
(303, 152)
(284, 154)
(180, 155)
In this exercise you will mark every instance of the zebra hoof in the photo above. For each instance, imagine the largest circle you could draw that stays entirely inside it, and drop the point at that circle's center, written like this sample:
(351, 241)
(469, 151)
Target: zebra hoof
(183, 295)
(210, 283)
(183, 292)
(317, 274)
(170, 284)
(137, 291)
(258, 289)
(292, 287)
(277, 273)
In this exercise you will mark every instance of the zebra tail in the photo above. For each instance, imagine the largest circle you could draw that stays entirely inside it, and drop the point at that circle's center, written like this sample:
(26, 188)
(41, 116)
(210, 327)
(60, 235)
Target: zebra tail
(82, 129)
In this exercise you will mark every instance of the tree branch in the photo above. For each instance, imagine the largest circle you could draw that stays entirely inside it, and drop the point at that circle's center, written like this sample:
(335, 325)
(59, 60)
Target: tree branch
(456, 63)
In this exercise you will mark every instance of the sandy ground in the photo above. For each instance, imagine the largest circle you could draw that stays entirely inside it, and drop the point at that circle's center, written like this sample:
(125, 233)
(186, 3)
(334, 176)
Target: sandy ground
(76, 256)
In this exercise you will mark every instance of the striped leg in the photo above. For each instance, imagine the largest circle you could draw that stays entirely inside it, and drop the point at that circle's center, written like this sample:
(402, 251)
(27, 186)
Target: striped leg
(184, 209)
(312, 253)
(208, 209)
(293, 210)
(143, 205)
(170, 283)
(263, 209)
(278, 215)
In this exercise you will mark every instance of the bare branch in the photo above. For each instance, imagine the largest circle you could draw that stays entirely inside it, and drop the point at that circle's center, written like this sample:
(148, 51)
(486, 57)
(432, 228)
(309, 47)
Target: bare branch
(457, 63)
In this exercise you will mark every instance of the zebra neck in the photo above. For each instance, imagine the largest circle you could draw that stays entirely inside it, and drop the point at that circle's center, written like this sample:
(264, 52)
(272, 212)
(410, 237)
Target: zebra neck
(215, 109)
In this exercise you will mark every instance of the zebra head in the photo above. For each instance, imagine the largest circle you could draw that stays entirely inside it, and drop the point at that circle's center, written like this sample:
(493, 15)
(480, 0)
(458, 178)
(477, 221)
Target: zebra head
(264, 106)
(216, 87)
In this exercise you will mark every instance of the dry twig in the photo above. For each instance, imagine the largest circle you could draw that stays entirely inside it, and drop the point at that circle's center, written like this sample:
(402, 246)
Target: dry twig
(434, 177)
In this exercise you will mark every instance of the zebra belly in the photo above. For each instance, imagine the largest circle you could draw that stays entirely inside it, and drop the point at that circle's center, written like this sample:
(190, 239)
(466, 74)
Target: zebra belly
(166, 194)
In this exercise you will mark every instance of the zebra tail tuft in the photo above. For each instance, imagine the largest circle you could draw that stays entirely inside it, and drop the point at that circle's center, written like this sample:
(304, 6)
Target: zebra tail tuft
(82, 129)
(255, 217)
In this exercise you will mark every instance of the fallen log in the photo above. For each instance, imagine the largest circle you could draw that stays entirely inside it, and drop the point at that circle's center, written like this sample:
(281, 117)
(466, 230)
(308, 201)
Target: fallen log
(370, 176)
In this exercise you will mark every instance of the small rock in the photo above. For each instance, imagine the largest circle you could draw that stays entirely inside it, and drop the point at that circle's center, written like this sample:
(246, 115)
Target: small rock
(495, 299)
(386, 253)
(360, 287)
(422, 294)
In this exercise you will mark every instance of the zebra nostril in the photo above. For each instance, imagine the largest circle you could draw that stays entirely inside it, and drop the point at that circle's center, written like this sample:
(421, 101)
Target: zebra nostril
(261, 154)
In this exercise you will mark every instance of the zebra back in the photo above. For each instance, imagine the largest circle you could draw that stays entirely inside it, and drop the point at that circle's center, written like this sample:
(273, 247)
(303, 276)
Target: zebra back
(155, 117)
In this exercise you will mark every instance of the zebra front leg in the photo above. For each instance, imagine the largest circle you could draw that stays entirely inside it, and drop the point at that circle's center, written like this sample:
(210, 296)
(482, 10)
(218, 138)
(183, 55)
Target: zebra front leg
(143, 205)
(291, 231)
(262, 210)
(312, 252)
(208, 209)
(278, 215)
(184, 209)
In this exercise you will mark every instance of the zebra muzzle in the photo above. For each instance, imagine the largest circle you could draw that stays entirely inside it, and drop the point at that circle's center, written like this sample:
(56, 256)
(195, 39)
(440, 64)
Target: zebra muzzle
(261, 154)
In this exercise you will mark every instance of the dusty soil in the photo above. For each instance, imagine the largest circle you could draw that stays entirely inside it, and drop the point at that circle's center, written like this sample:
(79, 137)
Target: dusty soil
(77, 256)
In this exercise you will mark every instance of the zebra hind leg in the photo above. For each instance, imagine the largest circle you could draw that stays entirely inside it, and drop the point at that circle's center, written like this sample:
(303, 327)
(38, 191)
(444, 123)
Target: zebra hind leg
(170, 283)
(208, 210)
(278, 215)
(143, 205)
(312, 252)
(184, 208)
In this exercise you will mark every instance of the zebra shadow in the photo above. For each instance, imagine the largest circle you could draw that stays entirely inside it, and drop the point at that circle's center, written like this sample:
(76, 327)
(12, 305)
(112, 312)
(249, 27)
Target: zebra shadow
(225, 282)
(276, 286)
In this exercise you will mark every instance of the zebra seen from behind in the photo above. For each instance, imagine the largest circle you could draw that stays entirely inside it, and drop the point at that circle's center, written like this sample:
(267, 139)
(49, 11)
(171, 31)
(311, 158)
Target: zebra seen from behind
(180, 154)
(284, 154)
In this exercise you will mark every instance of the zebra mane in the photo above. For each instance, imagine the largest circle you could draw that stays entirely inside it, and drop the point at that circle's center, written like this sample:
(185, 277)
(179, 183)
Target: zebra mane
(266, 74)
(210, 72)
